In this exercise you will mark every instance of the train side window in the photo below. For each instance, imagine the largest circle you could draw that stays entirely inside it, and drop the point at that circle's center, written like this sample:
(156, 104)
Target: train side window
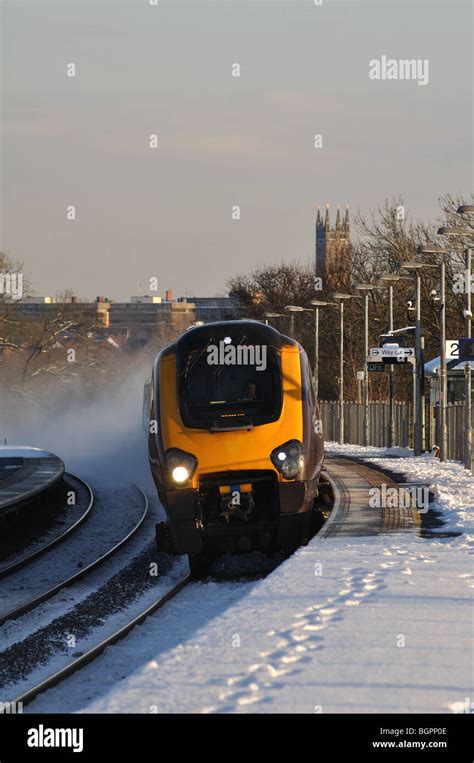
(147, 400)
(307, 378)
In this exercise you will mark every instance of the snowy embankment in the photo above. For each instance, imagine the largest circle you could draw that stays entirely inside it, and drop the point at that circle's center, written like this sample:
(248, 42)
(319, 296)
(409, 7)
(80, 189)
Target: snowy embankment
(380, 624)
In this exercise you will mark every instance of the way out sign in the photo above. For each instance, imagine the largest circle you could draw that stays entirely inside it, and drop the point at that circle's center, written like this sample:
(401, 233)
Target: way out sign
(392, 354)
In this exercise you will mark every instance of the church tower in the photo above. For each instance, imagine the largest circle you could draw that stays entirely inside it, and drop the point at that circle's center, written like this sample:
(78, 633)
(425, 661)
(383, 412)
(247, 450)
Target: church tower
(332, 244)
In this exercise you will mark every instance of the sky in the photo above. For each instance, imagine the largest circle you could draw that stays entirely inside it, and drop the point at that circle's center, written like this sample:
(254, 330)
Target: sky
(223, 141)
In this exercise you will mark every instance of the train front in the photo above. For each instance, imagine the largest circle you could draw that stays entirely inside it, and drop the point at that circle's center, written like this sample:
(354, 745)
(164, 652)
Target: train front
(235, 455)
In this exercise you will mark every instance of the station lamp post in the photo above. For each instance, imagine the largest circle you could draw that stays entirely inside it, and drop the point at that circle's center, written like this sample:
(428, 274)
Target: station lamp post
(340, 298)
(419, 435)
(443, 379)
(366, 288)
(292, 309)
(460, 232)
(273, 315)
(388, 279)
(317, 304)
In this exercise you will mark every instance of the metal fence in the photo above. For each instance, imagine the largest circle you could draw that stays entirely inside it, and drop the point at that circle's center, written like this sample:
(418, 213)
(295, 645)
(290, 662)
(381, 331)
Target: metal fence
(455, 422)
(379, 423)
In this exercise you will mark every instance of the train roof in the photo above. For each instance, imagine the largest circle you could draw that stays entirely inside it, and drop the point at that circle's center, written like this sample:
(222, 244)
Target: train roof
(260, 332)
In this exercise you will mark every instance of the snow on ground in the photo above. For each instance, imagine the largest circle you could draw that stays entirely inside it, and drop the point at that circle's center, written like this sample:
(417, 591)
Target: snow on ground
(380, 624)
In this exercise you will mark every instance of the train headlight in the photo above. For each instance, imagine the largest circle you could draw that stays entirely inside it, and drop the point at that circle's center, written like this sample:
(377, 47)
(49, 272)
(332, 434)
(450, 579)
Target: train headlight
(182, 465)
(288, 458)
(180, 474)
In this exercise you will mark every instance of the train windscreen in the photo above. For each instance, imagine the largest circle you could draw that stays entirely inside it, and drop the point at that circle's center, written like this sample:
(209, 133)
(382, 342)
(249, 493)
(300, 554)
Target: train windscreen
(229, 383)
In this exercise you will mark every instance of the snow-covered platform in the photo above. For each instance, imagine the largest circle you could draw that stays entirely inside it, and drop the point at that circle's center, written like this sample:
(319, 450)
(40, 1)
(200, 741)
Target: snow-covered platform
(25, 474)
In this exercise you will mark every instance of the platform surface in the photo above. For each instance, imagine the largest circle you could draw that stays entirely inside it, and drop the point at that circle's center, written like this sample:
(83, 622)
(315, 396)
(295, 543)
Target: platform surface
(25, 473)
(352, 514)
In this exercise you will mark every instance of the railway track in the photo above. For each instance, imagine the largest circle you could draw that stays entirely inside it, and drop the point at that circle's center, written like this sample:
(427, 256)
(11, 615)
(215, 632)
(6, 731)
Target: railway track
(79, 662)
(34, 602)
(87, 499)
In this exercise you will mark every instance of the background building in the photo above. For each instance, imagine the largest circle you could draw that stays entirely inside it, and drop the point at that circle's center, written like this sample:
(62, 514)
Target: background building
(332, 244)
(136, 322)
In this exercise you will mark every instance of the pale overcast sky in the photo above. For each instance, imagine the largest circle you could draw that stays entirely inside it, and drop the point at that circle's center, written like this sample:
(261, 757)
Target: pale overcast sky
(223, 141)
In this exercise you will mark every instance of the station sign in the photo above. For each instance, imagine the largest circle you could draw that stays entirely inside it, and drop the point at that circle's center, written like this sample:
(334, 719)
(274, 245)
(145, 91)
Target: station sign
(466, 350)
(452, 348)
(392, 354)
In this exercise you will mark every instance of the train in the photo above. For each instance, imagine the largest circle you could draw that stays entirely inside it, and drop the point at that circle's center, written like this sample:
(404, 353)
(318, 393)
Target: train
(235, 442)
